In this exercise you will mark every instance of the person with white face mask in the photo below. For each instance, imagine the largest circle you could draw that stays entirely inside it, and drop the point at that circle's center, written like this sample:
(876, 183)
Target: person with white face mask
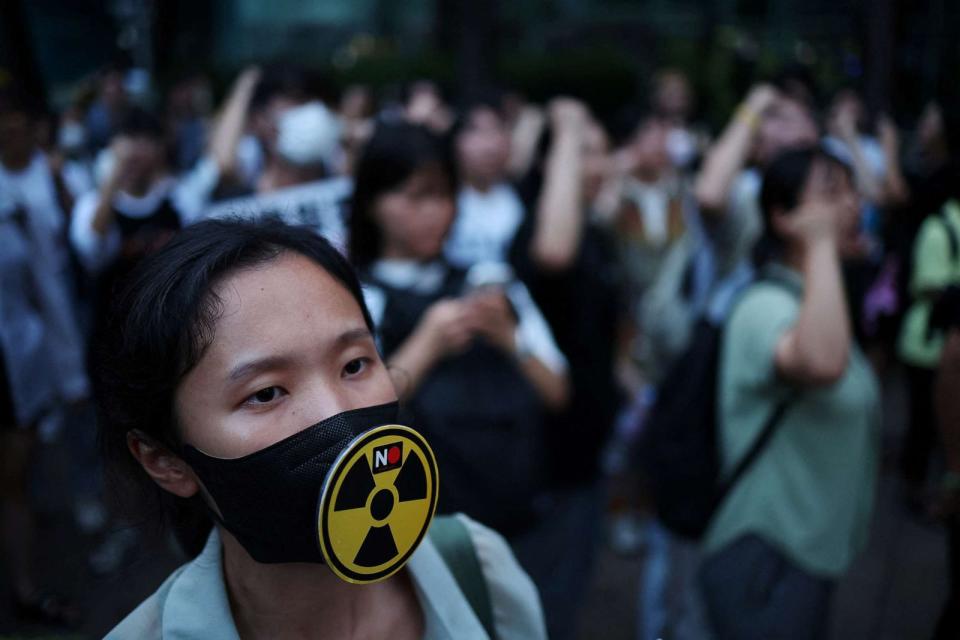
(267, 136)
(306, 147)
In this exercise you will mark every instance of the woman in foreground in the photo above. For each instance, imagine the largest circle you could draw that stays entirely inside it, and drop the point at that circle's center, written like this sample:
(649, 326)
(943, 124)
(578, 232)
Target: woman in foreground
(225, 347)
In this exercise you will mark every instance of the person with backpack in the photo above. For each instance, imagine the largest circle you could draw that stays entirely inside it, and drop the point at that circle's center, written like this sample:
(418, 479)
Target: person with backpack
(791, 378)
(474, 361)
(936, 267)
(244, 399)
(680, 320)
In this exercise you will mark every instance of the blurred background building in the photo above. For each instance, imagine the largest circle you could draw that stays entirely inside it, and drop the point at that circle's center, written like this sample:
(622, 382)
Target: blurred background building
(596, 48)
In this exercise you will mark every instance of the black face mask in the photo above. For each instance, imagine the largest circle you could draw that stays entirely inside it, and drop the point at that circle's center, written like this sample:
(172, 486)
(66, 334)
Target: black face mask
(269, 500)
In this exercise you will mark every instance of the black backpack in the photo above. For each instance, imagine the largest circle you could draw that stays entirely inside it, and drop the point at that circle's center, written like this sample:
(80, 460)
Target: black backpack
(678, 448)
(481, 415)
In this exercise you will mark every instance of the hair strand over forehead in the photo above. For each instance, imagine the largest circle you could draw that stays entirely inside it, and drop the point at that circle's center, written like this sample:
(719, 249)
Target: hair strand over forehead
(162, 320)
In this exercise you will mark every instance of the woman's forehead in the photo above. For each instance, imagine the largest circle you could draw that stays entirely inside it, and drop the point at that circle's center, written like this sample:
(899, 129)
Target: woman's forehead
(286, 299)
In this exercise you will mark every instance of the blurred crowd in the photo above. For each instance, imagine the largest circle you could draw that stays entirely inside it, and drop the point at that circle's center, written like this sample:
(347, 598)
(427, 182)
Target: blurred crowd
(564, 300)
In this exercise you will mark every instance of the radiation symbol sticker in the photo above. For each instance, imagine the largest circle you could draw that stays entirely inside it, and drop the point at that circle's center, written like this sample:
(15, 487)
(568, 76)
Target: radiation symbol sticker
(377, 503)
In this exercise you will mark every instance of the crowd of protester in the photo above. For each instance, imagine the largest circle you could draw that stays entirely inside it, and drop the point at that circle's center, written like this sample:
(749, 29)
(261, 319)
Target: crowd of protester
(542, 283)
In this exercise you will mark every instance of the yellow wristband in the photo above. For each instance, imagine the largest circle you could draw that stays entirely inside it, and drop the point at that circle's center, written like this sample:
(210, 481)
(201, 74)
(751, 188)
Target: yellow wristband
(748, 116)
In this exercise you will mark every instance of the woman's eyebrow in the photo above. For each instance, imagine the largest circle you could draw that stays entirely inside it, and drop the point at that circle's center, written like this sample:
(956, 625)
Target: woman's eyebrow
(350, 336)
(259, 365)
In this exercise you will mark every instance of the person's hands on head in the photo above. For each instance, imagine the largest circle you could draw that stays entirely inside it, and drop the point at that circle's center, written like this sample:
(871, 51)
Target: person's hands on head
(249, 77)
(121, 153)
(137, 160)
(785, 124)
(649, 147)
(422, 106)
(567, 114)
(760, 98)
(843, 121)
(623, 161)
(828, 210)
(122, 149)
(812, 222)
(889, 134)
(427, 108)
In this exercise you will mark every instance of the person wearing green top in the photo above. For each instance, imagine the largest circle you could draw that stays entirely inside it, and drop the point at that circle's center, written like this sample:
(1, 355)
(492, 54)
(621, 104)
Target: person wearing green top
(936, 267)
(793, 523)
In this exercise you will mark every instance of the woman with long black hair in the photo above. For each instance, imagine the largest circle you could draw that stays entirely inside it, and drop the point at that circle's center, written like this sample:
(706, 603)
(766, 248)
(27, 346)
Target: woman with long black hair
(471, 354)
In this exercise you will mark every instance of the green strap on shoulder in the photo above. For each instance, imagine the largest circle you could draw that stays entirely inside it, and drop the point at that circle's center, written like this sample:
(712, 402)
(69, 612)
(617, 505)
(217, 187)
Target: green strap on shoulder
(952, 236)
(455, 545)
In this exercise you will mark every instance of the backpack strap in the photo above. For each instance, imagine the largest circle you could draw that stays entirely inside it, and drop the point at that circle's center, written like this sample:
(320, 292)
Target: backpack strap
(766, 434)
(774, 420)
(952, 237)
(452, 539)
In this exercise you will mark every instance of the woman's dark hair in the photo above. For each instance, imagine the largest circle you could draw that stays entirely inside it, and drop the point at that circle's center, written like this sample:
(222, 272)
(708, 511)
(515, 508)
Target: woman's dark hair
(393, 155)
(488, 99)
(161, 323)
(16, 99)
(783, 183)
(141, 123)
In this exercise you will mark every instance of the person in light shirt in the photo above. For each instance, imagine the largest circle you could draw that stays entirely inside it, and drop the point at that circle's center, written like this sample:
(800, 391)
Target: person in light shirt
(489, 211)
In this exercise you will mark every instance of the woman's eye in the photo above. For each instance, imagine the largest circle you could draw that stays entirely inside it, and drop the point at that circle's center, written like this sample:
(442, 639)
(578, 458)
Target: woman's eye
(355, 366)
(265, 396)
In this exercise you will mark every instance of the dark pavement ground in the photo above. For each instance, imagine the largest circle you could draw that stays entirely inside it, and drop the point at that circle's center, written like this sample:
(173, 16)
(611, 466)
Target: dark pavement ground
(893, 592)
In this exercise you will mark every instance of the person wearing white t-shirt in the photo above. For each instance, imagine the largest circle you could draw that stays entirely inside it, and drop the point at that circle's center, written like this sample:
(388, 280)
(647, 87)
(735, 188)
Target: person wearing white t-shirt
(268, 135)
(489, 211)
(40, 198)
(41, 348)
(134, 211)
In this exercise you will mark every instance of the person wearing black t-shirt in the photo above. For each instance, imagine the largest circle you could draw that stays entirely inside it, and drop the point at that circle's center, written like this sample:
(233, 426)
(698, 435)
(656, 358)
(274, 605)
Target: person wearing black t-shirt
(568, 261)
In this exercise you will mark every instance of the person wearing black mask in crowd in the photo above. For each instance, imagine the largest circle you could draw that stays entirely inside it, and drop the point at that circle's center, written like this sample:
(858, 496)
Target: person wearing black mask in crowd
(225, 344)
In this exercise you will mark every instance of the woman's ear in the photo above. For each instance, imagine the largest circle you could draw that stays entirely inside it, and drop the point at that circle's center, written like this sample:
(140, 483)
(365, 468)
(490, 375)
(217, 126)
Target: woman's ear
(168, 470)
